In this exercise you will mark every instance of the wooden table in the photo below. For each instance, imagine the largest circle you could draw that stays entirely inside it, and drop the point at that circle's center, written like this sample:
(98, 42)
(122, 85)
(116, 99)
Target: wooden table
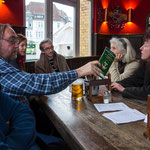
(84, 128)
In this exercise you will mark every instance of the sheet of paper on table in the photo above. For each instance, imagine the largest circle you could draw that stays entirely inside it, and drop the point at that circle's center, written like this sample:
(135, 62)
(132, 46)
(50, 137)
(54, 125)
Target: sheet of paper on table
(125, 116)
(145, 120)
(111, 107)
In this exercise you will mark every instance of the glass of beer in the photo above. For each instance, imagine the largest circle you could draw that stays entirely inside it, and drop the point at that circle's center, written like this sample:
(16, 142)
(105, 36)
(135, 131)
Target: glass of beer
(77, 89)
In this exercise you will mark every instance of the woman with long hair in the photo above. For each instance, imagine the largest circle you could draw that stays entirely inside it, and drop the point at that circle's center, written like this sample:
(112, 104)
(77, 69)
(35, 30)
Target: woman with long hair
(125, 62)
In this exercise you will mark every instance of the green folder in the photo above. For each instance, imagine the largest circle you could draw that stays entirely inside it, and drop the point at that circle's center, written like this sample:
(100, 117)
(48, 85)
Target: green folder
(106, 60)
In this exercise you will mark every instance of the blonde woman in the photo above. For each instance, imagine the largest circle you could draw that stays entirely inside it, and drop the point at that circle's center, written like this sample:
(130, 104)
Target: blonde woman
(125, 62)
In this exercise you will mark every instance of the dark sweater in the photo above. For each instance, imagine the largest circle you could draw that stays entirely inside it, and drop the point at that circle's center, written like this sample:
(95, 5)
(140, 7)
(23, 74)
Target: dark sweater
(138, 85)
(20, 134)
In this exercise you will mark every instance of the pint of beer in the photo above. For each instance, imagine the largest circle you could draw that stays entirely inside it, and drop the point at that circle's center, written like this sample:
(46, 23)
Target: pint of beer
(77, 89)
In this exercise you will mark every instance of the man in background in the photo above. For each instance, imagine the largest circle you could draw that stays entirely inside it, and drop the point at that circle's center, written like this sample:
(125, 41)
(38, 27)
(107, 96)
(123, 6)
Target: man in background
(19, 84)
(49, 60)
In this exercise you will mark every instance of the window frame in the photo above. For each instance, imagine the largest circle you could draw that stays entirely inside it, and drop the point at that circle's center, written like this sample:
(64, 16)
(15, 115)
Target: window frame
(49, 20)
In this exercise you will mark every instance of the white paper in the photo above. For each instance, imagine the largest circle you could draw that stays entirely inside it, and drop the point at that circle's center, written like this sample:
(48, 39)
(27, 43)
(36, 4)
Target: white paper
(111, 107)
(125, 116)
(145, 120)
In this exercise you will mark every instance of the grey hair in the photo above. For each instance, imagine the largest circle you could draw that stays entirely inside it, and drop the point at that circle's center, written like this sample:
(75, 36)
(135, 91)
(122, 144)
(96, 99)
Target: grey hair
(2, 30)
(130, 54)
(44, 41)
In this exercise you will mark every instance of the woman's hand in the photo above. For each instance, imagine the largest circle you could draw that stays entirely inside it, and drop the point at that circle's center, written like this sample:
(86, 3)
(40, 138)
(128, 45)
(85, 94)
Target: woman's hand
(118, 57)
(118, 87)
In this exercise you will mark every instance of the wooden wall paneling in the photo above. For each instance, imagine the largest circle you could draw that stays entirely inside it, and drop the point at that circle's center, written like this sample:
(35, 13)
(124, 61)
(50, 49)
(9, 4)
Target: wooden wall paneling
(73, 63)
(94, 44)
(19, 29)
(77, 62)
(30, 67)
(103, 41)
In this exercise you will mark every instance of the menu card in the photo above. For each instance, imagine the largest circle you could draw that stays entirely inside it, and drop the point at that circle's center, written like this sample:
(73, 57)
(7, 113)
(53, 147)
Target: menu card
(106, 60)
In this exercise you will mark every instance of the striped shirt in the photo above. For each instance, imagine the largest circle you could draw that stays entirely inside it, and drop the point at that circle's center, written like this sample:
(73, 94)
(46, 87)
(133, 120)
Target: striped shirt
(56, 69)
(19, 84)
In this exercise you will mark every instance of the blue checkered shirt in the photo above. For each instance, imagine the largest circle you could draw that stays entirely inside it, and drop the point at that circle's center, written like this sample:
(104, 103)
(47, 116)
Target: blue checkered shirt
(19, 84)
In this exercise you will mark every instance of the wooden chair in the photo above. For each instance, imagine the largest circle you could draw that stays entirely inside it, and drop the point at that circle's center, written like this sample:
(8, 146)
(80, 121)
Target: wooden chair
(148, 118)
(94, 82)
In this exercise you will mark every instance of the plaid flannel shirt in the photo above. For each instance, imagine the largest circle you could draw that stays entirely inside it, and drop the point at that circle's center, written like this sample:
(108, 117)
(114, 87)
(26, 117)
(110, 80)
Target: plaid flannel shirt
(19, 84)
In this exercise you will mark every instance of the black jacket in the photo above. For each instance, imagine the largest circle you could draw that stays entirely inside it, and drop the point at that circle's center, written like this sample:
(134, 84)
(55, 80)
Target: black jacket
(138, 85)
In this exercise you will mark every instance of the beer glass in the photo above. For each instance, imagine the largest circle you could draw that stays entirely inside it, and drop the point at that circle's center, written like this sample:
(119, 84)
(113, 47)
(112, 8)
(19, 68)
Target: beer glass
(77, 89)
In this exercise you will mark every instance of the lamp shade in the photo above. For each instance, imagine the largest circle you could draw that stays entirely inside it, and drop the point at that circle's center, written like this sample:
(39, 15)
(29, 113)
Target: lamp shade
(105, 18)
(129, 14)
(2, 1)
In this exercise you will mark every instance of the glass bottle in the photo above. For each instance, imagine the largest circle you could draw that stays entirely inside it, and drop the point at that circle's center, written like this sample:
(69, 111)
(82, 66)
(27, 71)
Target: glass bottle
(106, 97)
(110, 96)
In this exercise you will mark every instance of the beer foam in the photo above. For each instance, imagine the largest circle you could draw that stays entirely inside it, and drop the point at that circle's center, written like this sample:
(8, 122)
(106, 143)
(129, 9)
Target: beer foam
(78, 82)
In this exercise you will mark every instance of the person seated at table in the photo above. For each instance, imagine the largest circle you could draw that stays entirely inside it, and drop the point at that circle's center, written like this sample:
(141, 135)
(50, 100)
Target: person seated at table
(43, 124)
(17, 125)
(17, 128)
(49, 60)
(20, 56)
(138, 85)
(19, 84)
(125, 62)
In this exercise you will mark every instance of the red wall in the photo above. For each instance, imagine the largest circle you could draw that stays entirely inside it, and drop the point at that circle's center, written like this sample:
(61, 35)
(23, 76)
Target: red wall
(11, 12)
(140, 10)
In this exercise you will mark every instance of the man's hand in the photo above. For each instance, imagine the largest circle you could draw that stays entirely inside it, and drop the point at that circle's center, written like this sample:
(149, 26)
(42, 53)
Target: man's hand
(118, 87)
(89, 69)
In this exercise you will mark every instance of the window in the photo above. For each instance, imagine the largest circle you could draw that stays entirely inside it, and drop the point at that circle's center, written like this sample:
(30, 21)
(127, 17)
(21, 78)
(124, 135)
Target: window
(40, 25)
(27, 34)
(64, 32)
(35, 20)
(30, 34)
(65, 15)
(41, 34)
(58, 25)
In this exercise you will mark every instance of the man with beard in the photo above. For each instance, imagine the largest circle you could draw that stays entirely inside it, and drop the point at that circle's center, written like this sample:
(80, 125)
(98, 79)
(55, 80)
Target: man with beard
(19, 84)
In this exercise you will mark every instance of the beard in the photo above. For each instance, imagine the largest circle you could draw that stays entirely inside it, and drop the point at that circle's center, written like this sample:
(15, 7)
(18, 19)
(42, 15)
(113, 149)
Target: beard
(13, 55)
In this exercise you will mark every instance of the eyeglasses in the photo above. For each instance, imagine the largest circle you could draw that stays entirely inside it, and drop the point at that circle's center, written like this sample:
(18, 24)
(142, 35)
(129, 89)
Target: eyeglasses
(12, 41)
(49, 48)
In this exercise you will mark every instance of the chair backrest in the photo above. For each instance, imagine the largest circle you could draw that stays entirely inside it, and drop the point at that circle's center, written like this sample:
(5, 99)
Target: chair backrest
(148, 117)
(106, 82)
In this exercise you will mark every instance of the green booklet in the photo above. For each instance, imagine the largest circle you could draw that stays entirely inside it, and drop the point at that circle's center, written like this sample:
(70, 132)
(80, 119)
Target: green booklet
(106, 60)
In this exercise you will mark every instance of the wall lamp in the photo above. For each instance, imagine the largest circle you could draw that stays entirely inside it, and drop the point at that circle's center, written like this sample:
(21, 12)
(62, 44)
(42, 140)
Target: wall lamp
(2, 1)
(129, 14)
(106, 11)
